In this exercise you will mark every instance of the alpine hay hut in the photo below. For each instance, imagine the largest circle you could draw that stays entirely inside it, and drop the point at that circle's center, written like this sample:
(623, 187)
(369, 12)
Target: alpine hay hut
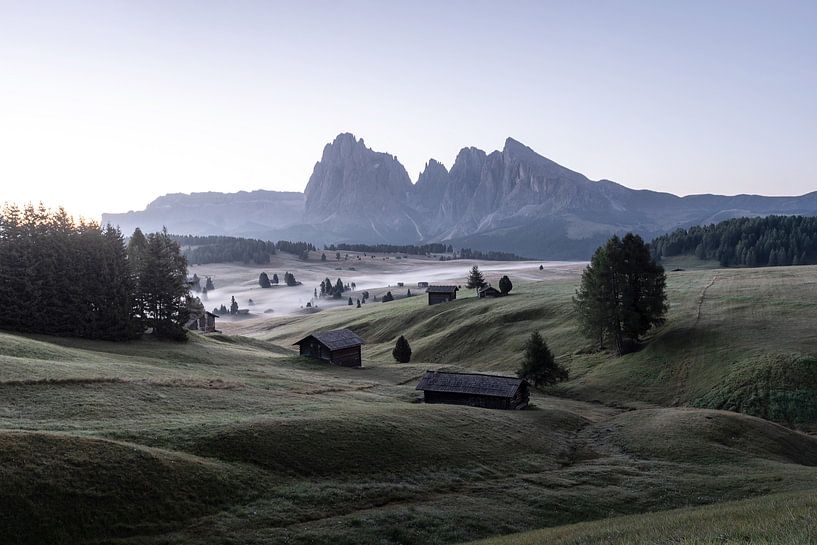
(337, 346)
(474, 389)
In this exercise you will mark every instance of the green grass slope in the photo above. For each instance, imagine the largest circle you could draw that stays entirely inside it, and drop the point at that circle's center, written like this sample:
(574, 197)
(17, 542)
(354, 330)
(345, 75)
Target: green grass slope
(735, 339)
(784, 519)
(235, 439)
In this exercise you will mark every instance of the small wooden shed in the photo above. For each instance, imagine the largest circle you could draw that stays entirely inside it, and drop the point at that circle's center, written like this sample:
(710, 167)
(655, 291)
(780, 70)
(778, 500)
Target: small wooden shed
(441, 294)
(337, 346)
(475, 389)
(207, 322)
(489, 291)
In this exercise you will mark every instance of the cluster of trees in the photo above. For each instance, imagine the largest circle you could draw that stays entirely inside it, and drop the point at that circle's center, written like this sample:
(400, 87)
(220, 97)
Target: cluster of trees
(622, 293)
(332, 290)
(62, 277)
(468, 253)
(477, 281)
(301, 249)
(750, 242)
(411, 249)
(265, 281)
(201, 250)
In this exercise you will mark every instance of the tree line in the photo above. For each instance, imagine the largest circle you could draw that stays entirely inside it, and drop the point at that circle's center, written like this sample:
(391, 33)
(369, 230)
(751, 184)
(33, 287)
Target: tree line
(301, 249)
(62, 277)
(409, 249)
(750, 242)
(201, 250)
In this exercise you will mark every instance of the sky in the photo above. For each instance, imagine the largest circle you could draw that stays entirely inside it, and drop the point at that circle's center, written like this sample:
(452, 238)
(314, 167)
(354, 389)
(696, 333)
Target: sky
(105, 106)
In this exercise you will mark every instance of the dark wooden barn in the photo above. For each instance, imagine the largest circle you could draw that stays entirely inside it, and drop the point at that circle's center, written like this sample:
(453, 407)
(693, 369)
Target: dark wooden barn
(338, 346)
(489, 291)
(205, 322)
(441, 294)
(476, 390)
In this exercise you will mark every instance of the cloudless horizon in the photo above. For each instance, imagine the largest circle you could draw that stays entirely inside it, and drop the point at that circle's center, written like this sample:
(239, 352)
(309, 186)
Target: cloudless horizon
(105, 106)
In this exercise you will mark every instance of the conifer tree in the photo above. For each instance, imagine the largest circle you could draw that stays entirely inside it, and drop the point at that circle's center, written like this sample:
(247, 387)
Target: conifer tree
(505, 285)
(162, 287)
(538, 365)
(402, 350)
(475, 279)
(263, 280)
(274, 278)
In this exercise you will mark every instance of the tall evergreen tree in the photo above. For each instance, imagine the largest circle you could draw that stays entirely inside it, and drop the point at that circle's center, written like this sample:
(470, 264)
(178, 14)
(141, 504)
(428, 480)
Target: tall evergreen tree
(475, 279)
(263, 280)
(163, 288)
(622, 293)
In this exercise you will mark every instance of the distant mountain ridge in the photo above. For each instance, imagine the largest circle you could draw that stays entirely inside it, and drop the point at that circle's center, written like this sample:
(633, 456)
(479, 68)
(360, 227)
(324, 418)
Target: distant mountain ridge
(512, 200)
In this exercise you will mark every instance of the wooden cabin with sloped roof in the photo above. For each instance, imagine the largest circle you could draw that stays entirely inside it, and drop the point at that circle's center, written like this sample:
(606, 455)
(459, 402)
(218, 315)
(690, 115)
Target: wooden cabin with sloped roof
(475, 389)
(441, 294)
(338, 347)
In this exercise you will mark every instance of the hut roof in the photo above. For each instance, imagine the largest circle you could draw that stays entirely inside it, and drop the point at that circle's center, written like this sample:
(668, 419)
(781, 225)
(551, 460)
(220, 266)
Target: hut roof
(470, 383)
(442, 289)
(212, 314)
(335, 339)
(489, 289)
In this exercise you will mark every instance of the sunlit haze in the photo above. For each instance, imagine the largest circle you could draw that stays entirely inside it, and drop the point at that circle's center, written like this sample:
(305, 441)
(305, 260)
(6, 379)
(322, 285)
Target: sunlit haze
(106, 105)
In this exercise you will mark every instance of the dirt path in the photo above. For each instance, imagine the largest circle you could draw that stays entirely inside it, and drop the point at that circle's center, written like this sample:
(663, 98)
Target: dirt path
(702, 297)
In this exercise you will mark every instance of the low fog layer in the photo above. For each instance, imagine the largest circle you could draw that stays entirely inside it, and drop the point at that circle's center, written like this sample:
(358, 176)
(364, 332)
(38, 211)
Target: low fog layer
(375, 275)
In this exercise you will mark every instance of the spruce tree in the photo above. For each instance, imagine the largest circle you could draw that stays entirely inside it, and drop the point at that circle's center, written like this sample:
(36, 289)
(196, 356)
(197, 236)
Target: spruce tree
(274, 278)
(162, 287)
(233, 306)
(350, 302)
(263, 280)
(388, 297)
(475, 279)
(622, 294)
(538, 365)
(505, 285)
(402, 350)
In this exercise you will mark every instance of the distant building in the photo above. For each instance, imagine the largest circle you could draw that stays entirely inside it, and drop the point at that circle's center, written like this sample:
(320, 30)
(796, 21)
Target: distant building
(422, 284)
(441, 294)
(338, 347)
(476, 390)
(489, 291)
(205, 322)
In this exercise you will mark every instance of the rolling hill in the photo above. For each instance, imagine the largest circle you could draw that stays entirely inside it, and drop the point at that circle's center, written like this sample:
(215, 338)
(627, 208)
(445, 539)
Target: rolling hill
(235, 439)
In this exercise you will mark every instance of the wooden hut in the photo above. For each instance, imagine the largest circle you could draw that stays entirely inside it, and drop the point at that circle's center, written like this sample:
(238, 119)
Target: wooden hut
(338, 346)
(476, 390)
(207, 322)
(441, 294)
(489, 291)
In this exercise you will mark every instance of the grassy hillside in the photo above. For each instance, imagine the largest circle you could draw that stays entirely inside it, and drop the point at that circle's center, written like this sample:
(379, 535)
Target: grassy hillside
(780, 519)
(235, 439)
(739, 340)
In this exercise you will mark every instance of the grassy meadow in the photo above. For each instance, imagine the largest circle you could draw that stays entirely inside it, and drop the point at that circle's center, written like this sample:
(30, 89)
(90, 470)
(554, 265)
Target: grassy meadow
(700, 437)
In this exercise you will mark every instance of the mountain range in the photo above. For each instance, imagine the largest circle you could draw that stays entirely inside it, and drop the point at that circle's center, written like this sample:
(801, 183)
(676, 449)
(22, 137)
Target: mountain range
(512, 200)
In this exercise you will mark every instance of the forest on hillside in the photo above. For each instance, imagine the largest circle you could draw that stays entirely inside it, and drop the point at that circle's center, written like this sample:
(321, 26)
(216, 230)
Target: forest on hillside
(201, 250)
(745, 242)
(79, 279)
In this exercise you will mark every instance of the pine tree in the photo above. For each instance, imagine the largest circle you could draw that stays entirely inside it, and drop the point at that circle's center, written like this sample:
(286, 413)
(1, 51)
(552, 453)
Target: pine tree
(210, 287)
(350, 302)
(505, 285)
(162, 287)
(233, 306)
(538, 365)
(388, 297)
(274, 278)
(622, 293)
(402, 350)
(475, 279)
(263, 280)
(323, 257)
(337, 292)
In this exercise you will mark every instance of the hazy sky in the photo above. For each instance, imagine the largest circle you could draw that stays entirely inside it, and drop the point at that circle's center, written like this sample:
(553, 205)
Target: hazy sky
(106, 105)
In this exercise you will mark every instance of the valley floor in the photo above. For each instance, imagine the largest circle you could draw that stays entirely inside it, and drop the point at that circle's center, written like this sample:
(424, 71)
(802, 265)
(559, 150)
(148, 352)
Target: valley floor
(234, 439)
